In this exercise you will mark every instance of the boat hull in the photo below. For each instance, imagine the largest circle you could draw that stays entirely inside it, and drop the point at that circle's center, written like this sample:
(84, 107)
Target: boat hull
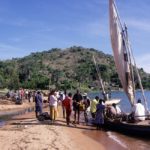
(112, 101)
(134, 129)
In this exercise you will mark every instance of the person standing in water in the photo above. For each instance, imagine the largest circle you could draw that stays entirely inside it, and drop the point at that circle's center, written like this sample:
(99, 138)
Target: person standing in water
(99, 118)
(94, 102)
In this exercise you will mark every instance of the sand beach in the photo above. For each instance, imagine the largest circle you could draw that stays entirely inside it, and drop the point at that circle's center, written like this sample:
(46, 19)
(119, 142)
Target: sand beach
(7, 105)
(25, 132)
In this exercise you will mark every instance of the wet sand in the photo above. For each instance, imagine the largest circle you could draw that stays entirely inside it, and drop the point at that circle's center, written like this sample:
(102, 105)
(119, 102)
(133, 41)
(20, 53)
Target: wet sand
(131, 142)
(6, 105)
(25, 132)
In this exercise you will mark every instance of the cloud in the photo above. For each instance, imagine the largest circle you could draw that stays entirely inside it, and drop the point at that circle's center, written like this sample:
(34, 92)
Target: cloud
(9, 51)
(104, 2)
(5, 48)
(143, 62)
(15, 22)
(22, 22)
(143, 25)
(90, 29)
(16, 39)
(45, 28)
(94, 30)
(95, 4)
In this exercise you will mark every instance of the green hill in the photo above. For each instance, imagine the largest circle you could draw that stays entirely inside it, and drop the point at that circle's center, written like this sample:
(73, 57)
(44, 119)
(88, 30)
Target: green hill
(68, 68)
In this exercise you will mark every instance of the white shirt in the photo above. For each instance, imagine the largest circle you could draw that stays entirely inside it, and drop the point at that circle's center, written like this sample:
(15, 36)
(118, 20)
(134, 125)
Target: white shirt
(57, 94)
(27, 92)
(53, 100)
(62, 97)
(118, 110)
(139, 110)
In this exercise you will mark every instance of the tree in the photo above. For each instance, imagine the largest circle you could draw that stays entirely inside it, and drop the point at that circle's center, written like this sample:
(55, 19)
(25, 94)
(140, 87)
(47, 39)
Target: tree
(1, 82)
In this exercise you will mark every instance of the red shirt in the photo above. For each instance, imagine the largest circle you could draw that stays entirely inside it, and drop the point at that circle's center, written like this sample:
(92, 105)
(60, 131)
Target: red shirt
(67, 103)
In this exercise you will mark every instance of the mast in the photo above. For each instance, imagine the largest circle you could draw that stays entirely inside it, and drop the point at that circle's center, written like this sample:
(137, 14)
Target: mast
(123, 46)
(129, 52)
(120, 51)
(139, 79)
(99, 78)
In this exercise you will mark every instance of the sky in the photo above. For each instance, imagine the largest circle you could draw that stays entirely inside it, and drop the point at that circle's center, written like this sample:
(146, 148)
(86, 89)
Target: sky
(28, 26)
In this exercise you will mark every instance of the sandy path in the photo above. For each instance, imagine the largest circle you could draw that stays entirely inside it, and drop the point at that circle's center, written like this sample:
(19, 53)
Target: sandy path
(29, 134)
(37, 137)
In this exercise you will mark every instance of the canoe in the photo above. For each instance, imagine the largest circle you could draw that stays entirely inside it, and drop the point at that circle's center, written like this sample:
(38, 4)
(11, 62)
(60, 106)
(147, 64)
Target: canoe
(134, 129)
(112, 101)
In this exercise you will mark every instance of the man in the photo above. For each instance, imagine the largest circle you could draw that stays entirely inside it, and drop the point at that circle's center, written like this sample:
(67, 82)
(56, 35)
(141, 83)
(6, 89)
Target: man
(38, 104)
(62, 96)
(67, 103)
(77, 98)
(113, 111)
(138, 111)
(94, 102)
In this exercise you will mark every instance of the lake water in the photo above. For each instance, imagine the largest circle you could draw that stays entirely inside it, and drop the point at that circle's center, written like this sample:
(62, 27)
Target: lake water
(127, 142)
(124, 104)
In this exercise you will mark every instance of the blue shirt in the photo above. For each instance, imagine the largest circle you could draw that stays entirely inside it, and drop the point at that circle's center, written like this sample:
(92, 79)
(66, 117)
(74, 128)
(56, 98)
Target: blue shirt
(38, 100)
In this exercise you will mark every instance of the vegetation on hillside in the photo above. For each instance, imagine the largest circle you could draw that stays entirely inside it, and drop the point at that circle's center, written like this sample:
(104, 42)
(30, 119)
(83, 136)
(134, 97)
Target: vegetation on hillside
(65, 69)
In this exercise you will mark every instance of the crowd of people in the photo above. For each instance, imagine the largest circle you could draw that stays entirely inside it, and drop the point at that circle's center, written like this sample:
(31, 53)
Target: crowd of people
(21, 94)
(77, 104)
(73, 104)
(69, 103)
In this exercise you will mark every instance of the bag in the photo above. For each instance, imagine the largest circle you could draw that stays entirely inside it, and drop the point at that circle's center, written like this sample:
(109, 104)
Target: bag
(81, 107)
(44, 116)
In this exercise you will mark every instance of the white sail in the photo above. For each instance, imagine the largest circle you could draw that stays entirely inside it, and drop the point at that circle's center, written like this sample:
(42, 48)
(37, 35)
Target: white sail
(120, 52)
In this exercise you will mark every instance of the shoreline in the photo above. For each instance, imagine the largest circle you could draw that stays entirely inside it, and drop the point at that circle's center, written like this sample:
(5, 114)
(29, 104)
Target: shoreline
(8, 105)
(32, 134)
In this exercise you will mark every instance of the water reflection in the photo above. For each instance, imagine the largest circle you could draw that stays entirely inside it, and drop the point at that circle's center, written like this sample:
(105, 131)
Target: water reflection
(124, 104)
(4, 116)
(2, 123)
(129, 141)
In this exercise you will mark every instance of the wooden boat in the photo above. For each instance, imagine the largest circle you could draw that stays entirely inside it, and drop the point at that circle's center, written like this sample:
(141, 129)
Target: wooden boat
(124, 62)
(112, 101)
(134, 129)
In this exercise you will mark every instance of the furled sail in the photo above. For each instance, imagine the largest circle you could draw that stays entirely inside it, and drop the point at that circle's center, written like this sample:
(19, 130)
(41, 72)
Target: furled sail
(121, 56)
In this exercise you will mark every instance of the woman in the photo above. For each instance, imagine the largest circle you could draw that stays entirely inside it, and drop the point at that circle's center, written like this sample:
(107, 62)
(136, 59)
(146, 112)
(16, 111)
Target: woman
(53, 105)
(99, 119)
